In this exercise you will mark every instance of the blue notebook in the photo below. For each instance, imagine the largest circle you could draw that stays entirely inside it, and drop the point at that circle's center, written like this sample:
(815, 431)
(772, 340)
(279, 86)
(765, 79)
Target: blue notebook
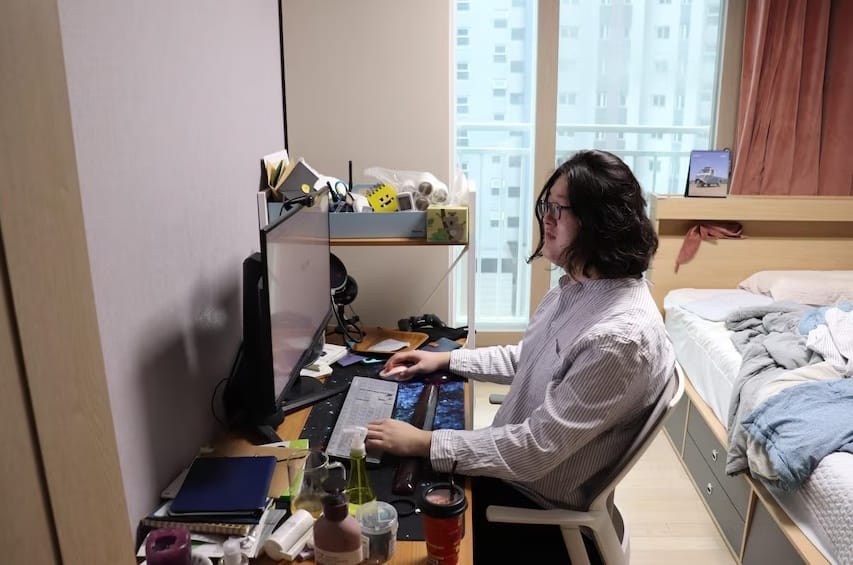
(235, 486)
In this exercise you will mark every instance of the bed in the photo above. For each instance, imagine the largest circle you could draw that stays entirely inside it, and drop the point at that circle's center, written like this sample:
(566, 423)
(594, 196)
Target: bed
(814, 524)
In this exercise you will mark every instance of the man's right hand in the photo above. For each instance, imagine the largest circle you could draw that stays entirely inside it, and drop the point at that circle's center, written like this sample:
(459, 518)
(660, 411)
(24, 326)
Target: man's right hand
(416, 362)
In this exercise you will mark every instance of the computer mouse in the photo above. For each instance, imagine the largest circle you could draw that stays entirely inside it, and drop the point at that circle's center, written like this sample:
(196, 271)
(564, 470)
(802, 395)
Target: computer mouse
(395, 374)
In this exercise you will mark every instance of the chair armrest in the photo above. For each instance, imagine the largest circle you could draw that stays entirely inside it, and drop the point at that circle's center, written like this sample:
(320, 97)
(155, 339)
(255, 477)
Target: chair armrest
(557, 517)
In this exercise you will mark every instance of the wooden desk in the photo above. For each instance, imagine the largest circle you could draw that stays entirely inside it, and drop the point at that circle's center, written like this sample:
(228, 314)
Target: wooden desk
(408, 552)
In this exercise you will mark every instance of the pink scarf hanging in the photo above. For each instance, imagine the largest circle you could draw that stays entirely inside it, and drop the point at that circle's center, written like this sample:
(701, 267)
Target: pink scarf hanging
(706, 231)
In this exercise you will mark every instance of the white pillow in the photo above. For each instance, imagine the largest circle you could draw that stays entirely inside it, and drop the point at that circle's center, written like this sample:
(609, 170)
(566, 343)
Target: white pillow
(815, 288)
(717, 307)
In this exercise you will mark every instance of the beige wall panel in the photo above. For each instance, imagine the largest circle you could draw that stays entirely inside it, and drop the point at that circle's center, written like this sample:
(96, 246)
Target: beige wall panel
(370, 82)
(51, 291)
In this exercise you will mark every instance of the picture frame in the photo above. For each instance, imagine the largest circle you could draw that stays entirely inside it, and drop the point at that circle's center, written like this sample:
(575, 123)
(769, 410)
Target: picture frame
(708, 173)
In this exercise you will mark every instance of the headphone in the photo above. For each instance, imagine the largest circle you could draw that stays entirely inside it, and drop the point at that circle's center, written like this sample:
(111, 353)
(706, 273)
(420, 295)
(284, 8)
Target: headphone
(344, 289)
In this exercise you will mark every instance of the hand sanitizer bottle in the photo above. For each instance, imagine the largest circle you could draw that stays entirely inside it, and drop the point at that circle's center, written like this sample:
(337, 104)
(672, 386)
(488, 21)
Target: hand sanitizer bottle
(358, 490)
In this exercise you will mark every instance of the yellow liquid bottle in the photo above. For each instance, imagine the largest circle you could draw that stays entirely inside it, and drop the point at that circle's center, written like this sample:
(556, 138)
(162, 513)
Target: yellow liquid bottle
(358, 489)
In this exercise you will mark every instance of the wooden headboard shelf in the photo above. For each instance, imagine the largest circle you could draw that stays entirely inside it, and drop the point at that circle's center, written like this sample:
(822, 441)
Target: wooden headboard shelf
(782, 232)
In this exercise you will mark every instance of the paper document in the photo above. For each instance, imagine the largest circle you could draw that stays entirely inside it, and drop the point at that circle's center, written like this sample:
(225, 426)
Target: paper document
(389, 345)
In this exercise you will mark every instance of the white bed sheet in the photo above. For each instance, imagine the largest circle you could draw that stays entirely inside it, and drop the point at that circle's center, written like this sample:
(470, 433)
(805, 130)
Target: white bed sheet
(823, 506)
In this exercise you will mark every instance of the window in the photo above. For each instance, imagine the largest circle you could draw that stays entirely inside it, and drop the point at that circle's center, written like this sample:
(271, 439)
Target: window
(500, 54)
(615, 64)
(461, 104)
(462, 37)
(461, 71)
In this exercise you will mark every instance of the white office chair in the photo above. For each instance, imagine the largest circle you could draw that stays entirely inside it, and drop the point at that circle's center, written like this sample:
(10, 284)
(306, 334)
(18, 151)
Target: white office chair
(604, 524)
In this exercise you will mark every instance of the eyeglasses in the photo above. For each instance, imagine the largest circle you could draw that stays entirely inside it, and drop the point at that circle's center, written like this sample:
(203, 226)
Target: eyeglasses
(553, 209)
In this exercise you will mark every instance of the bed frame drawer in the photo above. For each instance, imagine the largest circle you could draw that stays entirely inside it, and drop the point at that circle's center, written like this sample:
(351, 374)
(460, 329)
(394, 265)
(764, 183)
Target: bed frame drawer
(737, 489)
(676, 423)
(766, 542)
(729, 520)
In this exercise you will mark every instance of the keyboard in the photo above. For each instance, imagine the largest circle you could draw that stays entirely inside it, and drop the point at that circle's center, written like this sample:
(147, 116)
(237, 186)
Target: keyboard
(366, 400)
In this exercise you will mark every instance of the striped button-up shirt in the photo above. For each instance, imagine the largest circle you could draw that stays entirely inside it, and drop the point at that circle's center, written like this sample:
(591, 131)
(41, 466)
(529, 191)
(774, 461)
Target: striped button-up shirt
(594, 358)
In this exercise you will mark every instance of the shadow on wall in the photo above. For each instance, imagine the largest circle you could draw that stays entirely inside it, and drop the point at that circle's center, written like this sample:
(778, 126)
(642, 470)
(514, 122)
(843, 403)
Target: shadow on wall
(178, 374)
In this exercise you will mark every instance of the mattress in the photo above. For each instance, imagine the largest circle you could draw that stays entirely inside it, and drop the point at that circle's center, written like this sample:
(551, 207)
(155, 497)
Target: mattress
(823, 506)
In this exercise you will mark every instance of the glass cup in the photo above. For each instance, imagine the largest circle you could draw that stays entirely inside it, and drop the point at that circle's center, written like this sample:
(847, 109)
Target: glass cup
(443, 510)
(306, 481)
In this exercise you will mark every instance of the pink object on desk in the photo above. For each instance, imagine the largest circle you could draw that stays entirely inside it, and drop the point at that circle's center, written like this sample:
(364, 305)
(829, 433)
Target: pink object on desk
(168, 546)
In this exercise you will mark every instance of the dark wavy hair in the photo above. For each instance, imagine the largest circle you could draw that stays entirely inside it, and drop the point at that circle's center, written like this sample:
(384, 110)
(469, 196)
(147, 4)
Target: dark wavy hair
(615, 237)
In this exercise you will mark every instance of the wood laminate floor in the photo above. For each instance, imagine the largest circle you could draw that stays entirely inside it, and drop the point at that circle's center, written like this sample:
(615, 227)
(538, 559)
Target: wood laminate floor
(667, 519)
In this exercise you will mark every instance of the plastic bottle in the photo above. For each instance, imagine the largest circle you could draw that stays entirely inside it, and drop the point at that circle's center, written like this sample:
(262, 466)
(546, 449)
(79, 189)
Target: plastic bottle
(232, 554)
(359, 490)
(337, 535)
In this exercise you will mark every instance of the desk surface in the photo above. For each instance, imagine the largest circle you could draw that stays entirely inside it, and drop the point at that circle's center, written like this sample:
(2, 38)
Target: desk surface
(408, 552)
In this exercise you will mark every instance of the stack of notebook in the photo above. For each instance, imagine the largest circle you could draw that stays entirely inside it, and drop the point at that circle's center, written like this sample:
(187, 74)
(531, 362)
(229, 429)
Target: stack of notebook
(221, 495)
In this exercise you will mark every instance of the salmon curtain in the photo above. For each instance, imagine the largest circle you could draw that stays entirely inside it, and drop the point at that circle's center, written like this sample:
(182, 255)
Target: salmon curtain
(795, 112)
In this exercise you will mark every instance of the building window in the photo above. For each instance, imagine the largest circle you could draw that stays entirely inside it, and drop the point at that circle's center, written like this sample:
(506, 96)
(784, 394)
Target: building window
(462, 37)
(514, 161)
(516, 67)
(679, 101)
(601, 100)
(603, 31)
(599, 136)
(661, 66)
(685, 31)
(489, 265)
(496, 159)
(461, 71)
(499, 117)
(512, 222)
(677, 137)
(461, 104)
(500, 23)
(463, 6)
(462, 139)
(499, 92)
(517, 34)
(513, 191)
(620, 136)
(500, 54)
(654, 165)
(516, 98)
(657, 135)
(659, 100)
(663, 32)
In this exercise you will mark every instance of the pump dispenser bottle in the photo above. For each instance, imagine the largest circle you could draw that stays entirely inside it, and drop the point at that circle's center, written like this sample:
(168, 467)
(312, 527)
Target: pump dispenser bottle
(359, 490)
(337, 535)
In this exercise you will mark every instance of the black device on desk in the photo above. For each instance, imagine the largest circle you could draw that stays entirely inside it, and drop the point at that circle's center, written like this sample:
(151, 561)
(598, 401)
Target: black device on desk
(286, 307)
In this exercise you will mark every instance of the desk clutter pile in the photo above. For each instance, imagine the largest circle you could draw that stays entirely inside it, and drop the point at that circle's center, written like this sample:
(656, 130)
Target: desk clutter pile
(237, 503)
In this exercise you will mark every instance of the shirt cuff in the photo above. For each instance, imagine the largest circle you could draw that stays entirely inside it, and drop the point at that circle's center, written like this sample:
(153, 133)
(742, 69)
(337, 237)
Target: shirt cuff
(460, 360)
(441, 451)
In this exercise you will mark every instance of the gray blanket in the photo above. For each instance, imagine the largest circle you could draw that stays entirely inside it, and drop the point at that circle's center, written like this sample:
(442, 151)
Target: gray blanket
(768, 339)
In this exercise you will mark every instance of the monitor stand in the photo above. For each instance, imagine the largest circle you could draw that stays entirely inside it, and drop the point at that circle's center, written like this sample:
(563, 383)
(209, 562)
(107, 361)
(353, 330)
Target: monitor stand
(266, 432)
(307, 391)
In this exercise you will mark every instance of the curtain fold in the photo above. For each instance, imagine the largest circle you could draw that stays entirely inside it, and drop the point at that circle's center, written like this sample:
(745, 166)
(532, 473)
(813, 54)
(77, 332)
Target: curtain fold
(794, 112)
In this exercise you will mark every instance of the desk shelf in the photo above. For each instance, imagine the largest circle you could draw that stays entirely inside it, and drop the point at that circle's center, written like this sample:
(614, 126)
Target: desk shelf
(386, 241)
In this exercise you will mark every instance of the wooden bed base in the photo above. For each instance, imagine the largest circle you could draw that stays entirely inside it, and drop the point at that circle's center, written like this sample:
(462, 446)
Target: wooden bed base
(782, 233)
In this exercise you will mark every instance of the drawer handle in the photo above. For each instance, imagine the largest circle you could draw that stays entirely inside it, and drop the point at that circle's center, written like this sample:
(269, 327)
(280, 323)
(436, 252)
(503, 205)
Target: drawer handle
(709, 488)
(714, 454)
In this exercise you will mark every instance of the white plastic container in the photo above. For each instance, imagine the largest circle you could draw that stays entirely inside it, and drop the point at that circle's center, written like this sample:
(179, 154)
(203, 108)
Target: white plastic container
(281, 541)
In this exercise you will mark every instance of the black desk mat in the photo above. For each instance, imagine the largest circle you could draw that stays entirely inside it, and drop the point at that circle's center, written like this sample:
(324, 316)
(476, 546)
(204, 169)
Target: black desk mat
(449, 414)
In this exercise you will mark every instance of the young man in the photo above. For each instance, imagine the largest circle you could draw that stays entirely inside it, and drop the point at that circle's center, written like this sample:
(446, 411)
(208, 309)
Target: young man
(593, 360)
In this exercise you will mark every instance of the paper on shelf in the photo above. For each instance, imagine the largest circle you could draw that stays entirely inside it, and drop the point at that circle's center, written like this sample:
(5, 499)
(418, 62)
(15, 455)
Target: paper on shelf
(389, 345)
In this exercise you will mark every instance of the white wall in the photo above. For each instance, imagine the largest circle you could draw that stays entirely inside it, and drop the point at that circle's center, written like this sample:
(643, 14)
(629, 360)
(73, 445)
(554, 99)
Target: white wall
(370, 82)
(172, 105)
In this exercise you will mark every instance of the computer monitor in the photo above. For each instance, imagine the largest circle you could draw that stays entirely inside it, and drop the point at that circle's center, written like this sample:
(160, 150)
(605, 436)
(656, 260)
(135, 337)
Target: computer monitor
(286, 308)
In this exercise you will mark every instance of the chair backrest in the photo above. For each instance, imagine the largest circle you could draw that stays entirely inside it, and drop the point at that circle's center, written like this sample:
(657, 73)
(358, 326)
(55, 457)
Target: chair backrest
(668, 398)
